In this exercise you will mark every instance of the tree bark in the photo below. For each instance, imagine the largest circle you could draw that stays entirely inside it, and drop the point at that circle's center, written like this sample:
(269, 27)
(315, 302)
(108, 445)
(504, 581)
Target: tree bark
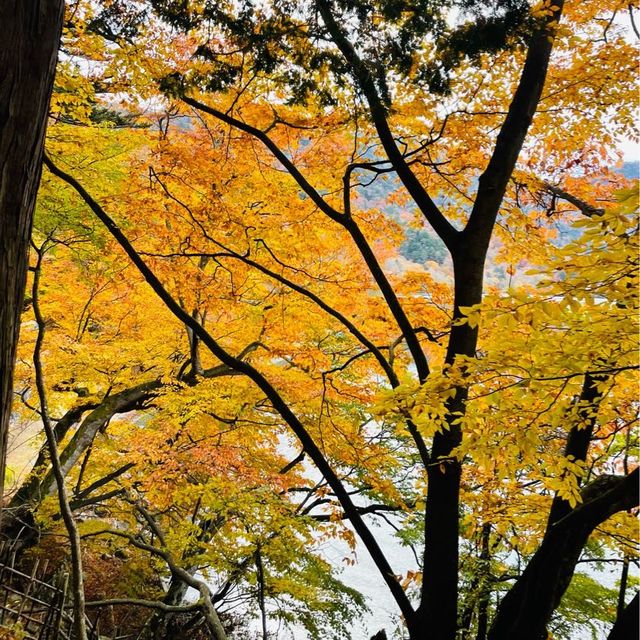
(626, 626)
(29, 38)
(579, 438)
(527, 608)
(437, 613)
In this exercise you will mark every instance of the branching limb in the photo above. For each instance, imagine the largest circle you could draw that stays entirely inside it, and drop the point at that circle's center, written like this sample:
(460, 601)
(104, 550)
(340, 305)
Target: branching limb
(290, 465)
(103, 481)
(493, 182)
(29, 488)
(76, 503)
(550, 569)
(587, 209)
(343, 219)
(282, 158)
(120, 402)
(374, 267)
(334, 313)
(366, 84)
(276, 400)
(36, 488)
(205, 603)
(147, 604)
(374, 509)
(65, 509)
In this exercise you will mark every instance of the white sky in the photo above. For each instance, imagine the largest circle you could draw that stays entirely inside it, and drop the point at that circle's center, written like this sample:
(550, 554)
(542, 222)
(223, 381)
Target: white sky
(630, 150)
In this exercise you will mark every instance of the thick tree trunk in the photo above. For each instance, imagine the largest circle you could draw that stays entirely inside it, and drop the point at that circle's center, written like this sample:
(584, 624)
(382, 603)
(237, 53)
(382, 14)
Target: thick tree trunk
(438, 608)
(627, 625)
(29, 38)
(527, 608)
(438, 612)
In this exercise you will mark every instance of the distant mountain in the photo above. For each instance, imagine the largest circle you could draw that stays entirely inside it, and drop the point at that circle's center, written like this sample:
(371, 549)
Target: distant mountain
(422, 245)
(631, 169)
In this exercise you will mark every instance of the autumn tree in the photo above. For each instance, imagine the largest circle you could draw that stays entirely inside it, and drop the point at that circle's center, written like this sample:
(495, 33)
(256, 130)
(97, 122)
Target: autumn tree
(205, 470)
(493, 410)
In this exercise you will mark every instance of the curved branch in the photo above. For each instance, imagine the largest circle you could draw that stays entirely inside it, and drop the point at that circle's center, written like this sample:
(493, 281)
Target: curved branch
(334, 313)
(527, 608)
(282, 158)
(371, 509)
(205, 603)
(36, 487)
(87, 491)
(278, 403)
(77, 573)
(363, 77)
(587, 209)
(147, 604)
(60, 431)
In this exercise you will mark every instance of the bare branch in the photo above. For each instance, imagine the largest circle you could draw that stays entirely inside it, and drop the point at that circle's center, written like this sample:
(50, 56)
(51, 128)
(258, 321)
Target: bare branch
(148, 604)
(586, 208)
(363, 77)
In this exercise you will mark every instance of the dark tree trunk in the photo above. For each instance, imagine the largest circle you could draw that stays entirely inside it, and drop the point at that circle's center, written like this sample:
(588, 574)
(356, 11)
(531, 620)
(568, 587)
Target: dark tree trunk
(29, 39)
(437, 613)
(485, 591)
(623, 587)
(627, 626)
(527, 608)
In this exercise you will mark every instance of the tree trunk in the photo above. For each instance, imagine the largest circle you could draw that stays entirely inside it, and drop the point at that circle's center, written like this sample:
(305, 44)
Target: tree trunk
(623, 587)
(438, 608)
(485, 590)
(527, 608)
(438, 612)
(29, 37)
(626, 626)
